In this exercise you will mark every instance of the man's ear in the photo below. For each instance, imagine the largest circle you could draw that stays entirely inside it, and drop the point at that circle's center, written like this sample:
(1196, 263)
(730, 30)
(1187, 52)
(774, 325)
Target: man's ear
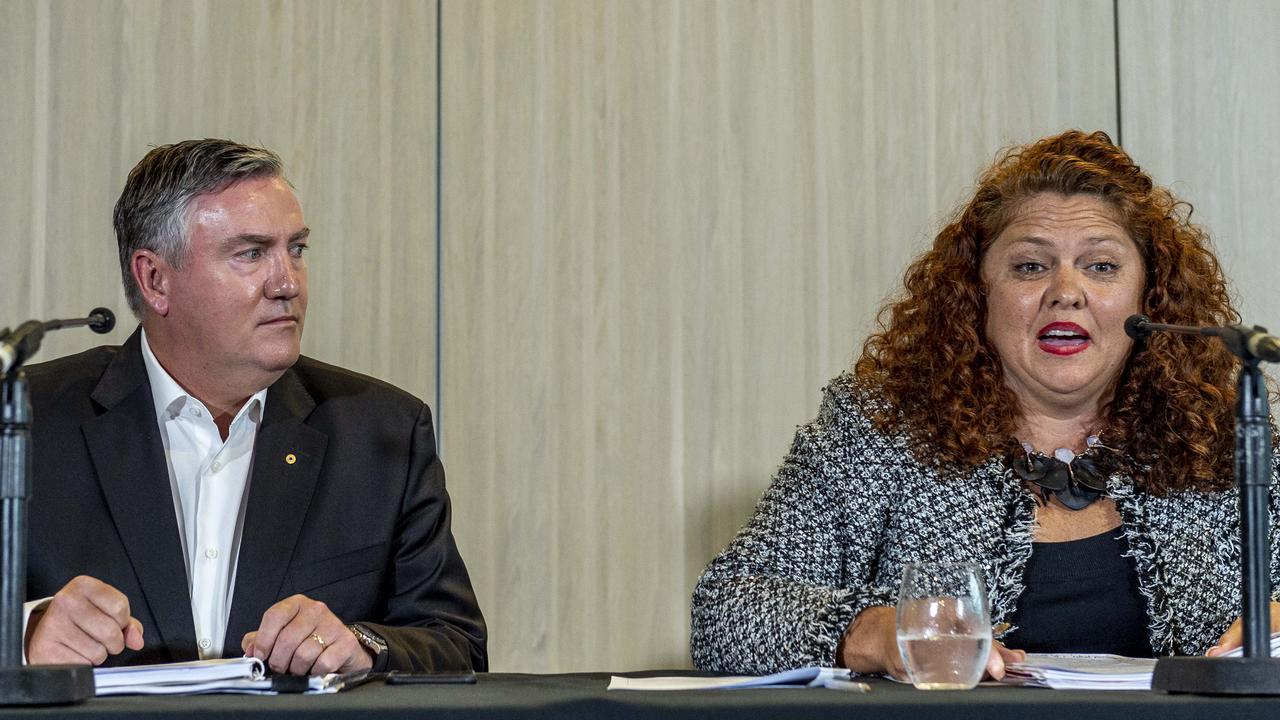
(154, 277)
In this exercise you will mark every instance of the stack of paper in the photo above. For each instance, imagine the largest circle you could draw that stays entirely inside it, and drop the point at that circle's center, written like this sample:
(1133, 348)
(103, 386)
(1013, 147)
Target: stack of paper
(800, 677)
(1068, 671)
(232, 675)
(181, 678)
(1064, 671)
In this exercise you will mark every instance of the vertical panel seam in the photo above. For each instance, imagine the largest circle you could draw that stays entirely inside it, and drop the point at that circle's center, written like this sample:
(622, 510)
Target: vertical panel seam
(439, 404)
(42, 98)
(1115, 33)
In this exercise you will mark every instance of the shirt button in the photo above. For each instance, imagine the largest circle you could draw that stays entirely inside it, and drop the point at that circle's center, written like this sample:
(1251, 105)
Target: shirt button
(217, 465)
(196, 412)
(204, 643)
(210, 553)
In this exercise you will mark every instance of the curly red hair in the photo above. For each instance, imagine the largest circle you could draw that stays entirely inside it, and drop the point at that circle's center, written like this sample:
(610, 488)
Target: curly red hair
(943, 386)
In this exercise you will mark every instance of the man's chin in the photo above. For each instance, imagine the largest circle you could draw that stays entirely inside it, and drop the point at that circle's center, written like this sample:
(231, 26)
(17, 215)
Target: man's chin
(279, 361)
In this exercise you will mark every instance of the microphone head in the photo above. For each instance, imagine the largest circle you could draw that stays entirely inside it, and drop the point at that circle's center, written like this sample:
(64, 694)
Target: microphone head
(101, 320)
(1135, 326)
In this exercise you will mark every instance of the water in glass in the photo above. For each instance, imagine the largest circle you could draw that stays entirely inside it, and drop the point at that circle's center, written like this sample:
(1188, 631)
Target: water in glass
(944, 626)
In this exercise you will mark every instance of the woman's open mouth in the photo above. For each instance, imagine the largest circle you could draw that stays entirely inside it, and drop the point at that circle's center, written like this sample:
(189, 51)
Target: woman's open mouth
(1063, 338)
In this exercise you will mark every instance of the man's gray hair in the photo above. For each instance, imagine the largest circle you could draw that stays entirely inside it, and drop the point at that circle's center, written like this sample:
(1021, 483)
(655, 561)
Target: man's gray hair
(152, 211)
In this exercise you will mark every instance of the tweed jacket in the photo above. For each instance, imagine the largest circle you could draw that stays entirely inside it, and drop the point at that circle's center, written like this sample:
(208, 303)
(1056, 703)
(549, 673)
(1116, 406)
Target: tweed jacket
(851, 506)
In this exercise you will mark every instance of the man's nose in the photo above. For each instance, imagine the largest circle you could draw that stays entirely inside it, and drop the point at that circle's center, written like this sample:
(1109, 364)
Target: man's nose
(285, 281)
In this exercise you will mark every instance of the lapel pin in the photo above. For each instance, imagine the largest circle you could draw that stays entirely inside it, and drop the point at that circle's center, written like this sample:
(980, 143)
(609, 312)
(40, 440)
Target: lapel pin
(291, 458)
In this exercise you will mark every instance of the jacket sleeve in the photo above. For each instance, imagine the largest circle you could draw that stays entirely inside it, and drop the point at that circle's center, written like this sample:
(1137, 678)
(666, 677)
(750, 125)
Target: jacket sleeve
(1273, 528)
(433, 622)
(782, 594)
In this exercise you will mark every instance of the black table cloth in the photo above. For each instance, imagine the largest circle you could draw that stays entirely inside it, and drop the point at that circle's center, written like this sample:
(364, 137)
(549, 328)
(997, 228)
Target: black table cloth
(544, 697)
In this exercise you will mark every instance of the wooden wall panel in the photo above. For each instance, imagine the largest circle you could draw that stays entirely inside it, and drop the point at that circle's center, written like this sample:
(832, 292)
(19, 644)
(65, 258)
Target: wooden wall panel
(666, 225)
(22, 167)
(1201, 97)
(343, 90)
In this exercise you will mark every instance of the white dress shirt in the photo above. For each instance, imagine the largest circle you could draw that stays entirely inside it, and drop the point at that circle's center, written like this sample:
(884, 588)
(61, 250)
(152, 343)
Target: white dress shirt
(209, 478)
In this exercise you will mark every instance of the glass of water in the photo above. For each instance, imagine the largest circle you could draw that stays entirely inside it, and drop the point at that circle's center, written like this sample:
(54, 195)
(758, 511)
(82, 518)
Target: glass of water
(944, 625)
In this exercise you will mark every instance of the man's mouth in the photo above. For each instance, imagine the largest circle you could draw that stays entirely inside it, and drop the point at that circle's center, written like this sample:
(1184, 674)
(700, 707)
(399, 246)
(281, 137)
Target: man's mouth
(1063, 338)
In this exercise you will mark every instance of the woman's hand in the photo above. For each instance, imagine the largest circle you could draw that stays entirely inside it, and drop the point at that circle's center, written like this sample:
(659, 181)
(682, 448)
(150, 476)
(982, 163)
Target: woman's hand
(1001, 656)
(1234, 636)
(870, 645)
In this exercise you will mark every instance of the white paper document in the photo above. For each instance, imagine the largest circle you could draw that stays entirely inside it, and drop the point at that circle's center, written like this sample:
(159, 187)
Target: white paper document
(1081, 672)
(231, 675)
(1072, 671)
(800, 677)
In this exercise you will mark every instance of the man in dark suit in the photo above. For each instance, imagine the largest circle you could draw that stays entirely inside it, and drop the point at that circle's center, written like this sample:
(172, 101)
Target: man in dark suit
(203, 490)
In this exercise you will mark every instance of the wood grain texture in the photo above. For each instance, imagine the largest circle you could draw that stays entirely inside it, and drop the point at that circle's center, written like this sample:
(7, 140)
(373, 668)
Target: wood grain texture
(666, 224)
(1201, 95)
(344, 91)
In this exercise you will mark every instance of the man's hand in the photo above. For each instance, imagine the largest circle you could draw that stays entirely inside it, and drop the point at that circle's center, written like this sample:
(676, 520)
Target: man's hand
(1234, 636)
(300, 636)
(86, 622)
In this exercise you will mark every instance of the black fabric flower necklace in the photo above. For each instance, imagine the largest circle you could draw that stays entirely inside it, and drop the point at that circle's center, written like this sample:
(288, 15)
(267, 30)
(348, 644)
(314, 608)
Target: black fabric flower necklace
(1076, 480)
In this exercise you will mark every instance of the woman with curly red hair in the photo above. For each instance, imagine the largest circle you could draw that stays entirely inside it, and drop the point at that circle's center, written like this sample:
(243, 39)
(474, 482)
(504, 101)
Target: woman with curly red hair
(1002, 416)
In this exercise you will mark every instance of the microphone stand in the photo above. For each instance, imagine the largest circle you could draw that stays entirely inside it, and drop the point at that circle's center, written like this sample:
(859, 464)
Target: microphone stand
(27, 684)
(1256, 673)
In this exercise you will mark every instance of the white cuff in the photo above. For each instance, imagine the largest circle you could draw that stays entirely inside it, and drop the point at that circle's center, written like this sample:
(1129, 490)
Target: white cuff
(27, 608)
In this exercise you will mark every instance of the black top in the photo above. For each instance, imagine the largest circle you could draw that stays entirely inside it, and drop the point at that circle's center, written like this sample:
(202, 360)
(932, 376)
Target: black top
(1081, 596)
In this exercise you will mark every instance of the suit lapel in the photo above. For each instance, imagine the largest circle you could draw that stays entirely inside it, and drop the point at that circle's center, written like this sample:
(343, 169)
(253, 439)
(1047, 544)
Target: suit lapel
(287, 457)
(128, 455)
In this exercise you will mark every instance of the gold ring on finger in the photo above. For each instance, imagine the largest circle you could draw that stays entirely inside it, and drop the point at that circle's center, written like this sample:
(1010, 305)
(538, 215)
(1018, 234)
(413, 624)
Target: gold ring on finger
(317, 638)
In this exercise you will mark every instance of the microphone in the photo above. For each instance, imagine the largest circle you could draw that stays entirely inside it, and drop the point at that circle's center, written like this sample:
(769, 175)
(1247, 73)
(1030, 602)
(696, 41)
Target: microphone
(17, 346)
(1243, 341)
(1264, 347)
(1135, 326)
(20, 345)
(1140, 326)
(101, 320)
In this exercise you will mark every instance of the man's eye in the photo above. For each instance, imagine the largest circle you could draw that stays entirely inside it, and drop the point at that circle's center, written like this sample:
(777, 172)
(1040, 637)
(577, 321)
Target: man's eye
(297, 250)
(251, 254)
(1028, 268)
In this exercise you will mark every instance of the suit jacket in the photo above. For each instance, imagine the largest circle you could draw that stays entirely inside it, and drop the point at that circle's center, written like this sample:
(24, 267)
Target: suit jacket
(346, 504)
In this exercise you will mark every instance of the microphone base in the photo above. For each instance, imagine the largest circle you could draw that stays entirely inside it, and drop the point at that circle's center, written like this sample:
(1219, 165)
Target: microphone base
(45, 684)
(1217, 675)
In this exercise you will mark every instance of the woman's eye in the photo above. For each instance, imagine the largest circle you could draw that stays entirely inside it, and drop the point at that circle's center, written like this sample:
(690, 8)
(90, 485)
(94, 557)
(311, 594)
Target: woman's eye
(1028, 268)
(1103, 267)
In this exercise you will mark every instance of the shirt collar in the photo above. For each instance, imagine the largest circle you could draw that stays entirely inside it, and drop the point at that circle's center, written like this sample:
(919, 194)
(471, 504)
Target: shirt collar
(170, 398)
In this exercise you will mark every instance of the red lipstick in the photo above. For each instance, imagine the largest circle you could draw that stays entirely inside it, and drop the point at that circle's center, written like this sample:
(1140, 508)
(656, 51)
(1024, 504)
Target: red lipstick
(1063, 338)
